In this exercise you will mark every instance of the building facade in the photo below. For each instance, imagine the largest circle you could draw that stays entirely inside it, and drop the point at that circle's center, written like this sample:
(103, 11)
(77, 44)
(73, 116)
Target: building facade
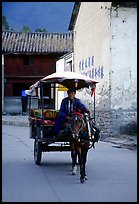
(105, 48)
(28, 57)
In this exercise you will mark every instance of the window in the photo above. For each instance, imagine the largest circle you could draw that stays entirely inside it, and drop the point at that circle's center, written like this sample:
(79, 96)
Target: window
(28, 60)
(68, 66)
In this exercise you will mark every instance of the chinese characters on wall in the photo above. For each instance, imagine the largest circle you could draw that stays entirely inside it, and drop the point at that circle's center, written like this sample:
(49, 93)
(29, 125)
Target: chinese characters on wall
(86, 67)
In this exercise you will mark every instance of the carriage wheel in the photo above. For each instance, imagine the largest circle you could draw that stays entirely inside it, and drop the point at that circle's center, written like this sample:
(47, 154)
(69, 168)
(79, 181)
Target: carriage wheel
(37, 152)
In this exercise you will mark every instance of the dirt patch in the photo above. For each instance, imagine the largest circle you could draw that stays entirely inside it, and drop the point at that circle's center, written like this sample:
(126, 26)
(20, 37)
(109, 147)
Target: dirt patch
(122, 141)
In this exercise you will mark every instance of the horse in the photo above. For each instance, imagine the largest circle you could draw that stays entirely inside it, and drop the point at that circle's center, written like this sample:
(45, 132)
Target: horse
(82, 134)
(82, 139)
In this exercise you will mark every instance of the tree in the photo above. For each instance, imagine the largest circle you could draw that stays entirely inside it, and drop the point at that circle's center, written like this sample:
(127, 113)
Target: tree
(41, 30)
(5, 25)
(26, 29)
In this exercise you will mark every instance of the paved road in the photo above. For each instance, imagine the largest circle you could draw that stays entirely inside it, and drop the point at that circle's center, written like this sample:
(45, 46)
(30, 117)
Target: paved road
(112, 173)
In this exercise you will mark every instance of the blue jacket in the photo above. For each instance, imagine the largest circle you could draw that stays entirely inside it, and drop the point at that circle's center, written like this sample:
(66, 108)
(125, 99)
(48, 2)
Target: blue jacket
(77, 104)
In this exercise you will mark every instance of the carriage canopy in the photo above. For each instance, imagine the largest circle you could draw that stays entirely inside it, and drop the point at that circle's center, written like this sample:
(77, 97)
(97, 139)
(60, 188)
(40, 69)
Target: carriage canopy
(67, 79)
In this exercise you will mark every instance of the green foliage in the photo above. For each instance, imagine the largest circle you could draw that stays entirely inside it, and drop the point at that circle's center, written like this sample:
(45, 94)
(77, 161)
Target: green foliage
(41, 30)
(26, 29)
(5, 25)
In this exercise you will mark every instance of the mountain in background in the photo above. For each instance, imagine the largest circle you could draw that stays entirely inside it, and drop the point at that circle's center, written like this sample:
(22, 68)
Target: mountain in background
(52, 16)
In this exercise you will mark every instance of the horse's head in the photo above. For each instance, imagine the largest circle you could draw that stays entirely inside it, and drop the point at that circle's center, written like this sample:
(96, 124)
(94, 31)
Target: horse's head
(77, 124)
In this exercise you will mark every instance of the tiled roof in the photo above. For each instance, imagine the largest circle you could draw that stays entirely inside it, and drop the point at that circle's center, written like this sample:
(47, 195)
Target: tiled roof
(18, 42)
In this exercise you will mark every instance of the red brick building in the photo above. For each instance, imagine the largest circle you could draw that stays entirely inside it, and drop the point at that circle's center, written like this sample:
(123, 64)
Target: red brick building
(30, 56)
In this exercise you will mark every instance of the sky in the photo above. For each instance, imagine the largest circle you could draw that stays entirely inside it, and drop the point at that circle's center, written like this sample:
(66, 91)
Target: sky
(52, 16)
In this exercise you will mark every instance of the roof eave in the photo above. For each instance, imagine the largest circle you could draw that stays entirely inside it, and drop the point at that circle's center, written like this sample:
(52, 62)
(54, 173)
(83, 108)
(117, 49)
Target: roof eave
(74, 15)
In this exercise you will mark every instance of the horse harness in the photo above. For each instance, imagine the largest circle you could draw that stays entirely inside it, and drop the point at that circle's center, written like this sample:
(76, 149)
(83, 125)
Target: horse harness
(80, 124)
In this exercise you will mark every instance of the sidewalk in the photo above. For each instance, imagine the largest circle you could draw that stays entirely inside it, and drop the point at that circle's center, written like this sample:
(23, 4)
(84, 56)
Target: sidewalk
(17, 120)
(121, 141)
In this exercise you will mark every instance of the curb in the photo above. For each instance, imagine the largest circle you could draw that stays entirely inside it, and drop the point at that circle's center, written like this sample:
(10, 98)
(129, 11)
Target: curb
(15, 123)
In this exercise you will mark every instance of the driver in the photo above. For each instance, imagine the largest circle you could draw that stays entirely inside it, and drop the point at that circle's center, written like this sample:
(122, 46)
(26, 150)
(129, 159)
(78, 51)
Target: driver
(68, 105)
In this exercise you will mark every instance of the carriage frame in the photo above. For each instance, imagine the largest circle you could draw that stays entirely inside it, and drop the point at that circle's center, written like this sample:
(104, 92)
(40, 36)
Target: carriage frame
(42, 118)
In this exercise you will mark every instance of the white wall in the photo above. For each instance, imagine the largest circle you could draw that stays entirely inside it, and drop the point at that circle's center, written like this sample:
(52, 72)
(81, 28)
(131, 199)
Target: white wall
(105, 48)
(92, 47)
(124, 58)
(92, 43)
(123, 74)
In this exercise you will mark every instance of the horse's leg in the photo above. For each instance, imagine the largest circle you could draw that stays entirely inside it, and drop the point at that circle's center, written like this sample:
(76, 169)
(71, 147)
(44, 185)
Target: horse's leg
(76, 156)
(84, 156)
(74, 159)
(74, 163)
(82, 177)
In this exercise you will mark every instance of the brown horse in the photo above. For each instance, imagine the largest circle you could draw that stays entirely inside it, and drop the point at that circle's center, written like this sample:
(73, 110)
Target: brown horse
(81, 141)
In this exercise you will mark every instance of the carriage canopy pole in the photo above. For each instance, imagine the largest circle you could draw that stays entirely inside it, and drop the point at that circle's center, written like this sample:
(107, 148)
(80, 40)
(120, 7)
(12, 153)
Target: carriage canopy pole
(93, 92)
(30, 105)
(42, 105)
(94, 105)
(42, 101)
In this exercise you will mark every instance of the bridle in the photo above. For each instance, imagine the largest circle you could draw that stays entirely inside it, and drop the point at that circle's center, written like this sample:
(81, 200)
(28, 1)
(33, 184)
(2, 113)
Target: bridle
(77, 124)
(80, 123)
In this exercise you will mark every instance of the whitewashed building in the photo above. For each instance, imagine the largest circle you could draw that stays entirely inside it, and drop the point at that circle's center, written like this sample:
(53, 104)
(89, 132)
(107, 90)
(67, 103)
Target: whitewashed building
(65, 63)
(105, 48)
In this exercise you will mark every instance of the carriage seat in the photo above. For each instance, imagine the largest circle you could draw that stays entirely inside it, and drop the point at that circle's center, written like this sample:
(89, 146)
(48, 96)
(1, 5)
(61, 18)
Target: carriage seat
(49, 115)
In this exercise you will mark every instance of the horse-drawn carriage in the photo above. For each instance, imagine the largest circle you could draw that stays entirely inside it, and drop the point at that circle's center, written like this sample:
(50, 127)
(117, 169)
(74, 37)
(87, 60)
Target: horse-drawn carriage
(43, 114)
